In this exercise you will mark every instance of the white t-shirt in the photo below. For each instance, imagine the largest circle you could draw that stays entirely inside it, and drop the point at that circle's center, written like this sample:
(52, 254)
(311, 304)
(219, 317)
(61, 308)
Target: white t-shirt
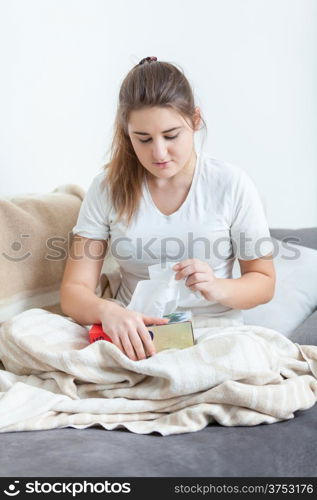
(222, 218)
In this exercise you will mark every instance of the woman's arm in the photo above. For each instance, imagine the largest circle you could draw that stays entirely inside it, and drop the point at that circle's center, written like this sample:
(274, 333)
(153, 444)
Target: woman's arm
(81, 275)
(256, 285)
(126, 328)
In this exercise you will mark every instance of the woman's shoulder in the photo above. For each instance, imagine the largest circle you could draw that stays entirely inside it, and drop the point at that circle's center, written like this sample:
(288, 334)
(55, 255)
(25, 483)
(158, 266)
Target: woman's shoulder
(97, 193)
(100, 178)
(220, 173)
(98, 183)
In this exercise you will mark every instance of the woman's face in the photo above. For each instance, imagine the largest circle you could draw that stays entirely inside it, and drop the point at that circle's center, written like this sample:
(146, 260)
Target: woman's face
(161, 135)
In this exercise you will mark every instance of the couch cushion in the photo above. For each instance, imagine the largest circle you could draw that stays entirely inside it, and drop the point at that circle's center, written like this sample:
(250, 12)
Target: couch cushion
(283, 449)
(306, 332)
(35, 236)
(295, 295)
(306, 236)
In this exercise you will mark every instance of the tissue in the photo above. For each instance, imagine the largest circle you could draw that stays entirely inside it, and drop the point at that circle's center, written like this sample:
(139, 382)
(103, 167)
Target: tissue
(161, 294)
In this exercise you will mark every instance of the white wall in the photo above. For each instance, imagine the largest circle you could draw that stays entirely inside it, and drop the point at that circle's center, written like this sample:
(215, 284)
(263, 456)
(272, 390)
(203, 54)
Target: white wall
(252, 64)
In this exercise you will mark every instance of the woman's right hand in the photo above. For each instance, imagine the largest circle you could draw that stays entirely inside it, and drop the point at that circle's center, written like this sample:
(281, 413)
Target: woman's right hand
(128, 332)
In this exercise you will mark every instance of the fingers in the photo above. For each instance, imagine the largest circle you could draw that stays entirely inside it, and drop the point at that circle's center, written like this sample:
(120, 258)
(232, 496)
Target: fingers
(195, 278)
(147, 341)
(138, 346)
(133, 338)
(128, 348)
(151, 320)
(134, 347)
(190, 266)
(117, 342)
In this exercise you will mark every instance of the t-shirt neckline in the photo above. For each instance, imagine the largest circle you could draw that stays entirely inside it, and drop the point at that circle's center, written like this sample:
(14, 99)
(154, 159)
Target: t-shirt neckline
(189, 194)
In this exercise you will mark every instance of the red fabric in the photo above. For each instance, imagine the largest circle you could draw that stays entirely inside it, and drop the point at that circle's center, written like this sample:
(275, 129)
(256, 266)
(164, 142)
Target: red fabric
(96, 333)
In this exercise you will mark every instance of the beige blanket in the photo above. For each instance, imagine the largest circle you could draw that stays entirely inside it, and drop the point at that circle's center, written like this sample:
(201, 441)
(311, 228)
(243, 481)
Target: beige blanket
(237, 375)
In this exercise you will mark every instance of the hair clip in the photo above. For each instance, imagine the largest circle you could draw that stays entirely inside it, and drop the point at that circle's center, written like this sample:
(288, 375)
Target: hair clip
(149, 59)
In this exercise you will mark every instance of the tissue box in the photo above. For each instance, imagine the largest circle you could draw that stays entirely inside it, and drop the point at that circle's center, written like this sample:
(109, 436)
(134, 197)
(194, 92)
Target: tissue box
(172, 336)
(177, 334)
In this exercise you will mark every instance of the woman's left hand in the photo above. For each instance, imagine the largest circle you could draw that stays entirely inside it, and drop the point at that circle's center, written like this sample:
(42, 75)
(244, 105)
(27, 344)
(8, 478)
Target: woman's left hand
(199, 277)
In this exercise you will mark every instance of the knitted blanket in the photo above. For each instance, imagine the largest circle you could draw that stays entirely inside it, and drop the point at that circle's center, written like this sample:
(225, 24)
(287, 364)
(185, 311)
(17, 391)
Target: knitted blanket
(235, 375)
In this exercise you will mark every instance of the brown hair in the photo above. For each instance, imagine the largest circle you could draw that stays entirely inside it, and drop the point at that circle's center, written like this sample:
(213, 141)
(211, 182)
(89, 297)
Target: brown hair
(155, 83)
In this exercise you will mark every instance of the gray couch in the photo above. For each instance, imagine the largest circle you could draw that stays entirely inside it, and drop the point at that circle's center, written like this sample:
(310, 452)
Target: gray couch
(282, 449)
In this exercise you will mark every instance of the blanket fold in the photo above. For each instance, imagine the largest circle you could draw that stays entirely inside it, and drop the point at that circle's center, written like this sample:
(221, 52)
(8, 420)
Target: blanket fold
(234, 375)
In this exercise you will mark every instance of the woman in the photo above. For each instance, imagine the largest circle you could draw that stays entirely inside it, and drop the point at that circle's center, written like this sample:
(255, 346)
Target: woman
(158, 199)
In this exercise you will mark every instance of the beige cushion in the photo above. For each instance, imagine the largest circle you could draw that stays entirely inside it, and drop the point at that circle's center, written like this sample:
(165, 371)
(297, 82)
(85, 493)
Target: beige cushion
(35, 237)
